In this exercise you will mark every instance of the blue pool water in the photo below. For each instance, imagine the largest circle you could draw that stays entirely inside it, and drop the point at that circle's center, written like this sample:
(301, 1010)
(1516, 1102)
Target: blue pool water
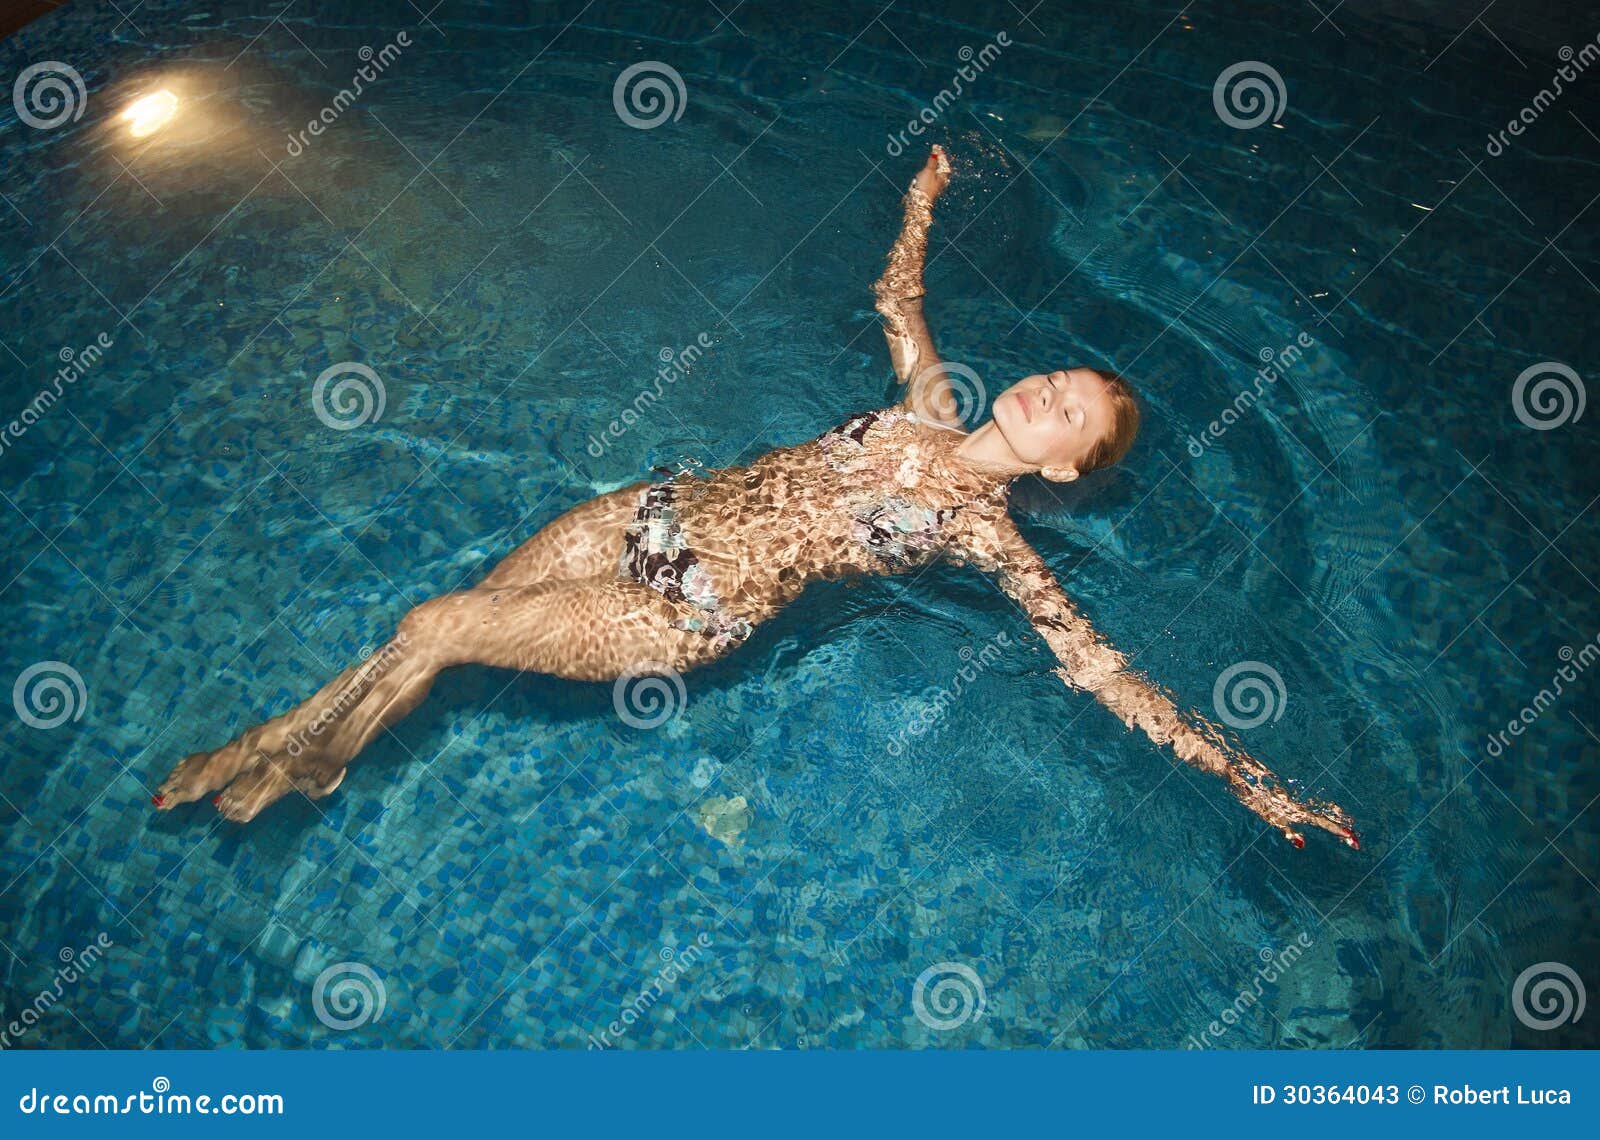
(779, 863)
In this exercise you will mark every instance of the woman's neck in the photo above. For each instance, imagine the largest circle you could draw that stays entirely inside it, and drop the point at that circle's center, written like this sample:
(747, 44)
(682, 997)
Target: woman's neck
(987, 454)
(969, 473)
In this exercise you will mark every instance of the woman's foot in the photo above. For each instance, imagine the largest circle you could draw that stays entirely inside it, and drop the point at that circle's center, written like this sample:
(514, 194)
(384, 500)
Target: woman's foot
(251, 788)
(294, 740)
(265, 784)
(201, 773)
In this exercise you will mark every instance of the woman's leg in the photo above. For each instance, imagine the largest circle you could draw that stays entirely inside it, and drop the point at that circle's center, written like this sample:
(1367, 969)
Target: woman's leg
(589, 630)
(585, 542)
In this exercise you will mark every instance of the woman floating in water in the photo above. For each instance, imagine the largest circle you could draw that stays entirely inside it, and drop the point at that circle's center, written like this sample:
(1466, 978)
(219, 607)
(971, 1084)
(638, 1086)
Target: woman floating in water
(674, 574)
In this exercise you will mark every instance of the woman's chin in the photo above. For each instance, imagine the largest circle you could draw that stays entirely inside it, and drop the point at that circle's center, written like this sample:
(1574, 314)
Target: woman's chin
(1006, 415)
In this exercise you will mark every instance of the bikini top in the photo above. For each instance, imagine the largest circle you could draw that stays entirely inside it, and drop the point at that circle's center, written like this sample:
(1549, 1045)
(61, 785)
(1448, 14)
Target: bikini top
(887, 455)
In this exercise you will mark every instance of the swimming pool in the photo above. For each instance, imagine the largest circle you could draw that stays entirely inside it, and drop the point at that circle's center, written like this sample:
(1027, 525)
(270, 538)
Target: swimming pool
(822, 846)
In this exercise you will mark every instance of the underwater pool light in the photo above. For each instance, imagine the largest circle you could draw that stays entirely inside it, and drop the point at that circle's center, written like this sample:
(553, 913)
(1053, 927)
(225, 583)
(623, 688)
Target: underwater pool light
(150, 113)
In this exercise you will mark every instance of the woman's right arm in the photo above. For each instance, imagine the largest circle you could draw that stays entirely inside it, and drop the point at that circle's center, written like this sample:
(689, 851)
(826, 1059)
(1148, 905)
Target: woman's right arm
(1089, 664)
(900, 291)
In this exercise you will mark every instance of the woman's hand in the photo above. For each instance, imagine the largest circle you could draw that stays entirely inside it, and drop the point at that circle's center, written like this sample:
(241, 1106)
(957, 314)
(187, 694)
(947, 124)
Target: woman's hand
(934, 175)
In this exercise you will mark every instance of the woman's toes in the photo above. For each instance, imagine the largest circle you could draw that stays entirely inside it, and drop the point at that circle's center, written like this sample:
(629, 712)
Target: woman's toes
(190, 779)
(203, 772)
(245, 798)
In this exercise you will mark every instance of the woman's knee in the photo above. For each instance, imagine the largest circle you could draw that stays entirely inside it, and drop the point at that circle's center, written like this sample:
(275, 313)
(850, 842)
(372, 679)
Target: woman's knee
(439, 621)
(482, 625)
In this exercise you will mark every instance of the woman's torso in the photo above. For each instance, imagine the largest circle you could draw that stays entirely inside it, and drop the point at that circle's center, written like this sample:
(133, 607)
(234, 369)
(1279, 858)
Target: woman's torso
(876, 495)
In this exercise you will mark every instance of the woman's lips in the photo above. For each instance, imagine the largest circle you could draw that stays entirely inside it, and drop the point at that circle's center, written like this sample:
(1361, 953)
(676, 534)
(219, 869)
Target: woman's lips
(1027, 406)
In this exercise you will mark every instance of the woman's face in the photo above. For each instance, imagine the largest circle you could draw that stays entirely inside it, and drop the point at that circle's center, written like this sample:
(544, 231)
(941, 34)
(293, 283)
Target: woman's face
(1053, 421)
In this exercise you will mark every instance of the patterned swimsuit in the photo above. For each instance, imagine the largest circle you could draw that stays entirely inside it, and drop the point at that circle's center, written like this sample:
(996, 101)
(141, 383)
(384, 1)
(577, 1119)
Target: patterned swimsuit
(656, 553)
(898, 532)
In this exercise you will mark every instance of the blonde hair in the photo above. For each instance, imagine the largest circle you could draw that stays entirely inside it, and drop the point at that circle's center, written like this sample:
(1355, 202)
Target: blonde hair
(1112, 446)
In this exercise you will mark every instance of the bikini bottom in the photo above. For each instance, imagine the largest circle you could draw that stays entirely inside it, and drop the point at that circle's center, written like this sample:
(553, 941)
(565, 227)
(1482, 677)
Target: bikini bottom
(656, 554)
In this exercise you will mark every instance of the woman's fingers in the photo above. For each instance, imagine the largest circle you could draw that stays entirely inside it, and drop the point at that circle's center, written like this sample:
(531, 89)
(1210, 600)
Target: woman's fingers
(1332, 818)
(935, 173)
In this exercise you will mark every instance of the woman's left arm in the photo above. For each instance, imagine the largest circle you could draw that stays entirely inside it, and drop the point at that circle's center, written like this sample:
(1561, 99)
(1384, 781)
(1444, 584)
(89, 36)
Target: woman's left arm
(900, 291)
(1090, 664)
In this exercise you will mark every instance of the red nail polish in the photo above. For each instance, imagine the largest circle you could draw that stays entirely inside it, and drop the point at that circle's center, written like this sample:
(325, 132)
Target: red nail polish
(1298, 842)
(216, 799)
(158, 800)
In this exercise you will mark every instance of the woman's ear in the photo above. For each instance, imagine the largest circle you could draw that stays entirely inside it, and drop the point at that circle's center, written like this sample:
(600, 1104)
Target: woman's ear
(1059, 474)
